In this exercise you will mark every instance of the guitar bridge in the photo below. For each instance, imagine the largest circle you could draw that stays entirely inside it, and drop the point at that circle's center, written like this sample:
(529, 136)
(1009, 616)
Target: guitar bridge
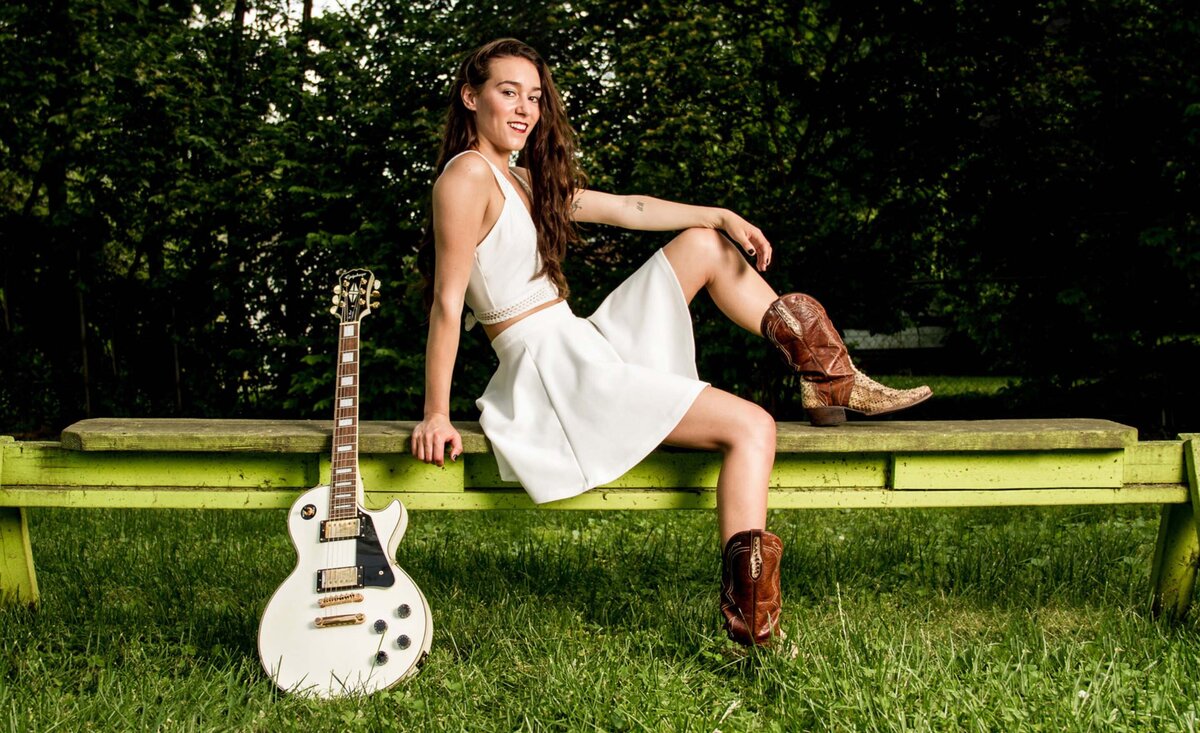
(340, 599)
(348, 619)
(341, 529)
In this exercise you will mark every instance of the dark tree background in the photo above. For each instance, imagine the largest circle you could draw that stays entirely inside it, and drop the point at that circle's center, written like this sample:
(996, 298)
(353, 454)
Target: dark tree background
(180, 182)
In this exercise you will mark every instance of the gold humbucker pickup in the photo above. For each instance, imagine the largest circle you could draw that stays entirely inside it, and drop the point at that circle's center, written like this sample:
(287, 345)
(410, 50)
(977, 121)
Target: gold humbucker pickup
(331, 579)
(340, 599)
(348, 619)
(341, 529)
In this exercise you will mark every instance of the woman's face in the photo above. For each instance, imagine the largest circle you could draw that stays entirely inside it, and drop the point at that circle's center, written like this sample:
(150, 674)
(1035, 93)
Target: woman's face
(507, 107)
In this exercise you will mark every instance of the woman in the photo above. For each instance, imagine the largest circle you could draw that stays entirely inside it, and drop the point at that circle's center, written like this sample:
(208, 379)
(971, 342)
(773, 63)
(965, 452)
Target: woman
(576, 402)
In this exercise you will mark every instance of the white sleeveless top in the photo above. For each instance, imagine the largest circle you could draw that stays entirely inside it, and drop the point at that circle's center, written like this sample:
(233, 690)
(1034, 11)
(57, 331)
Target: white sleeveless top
(503, 283)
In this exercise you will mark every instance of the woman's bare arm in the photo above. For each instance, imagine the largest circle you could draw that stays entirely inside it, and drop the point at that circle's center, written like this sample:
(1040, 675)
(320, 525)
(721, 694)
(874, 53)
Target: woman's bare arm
(460, 202)
(651, 214)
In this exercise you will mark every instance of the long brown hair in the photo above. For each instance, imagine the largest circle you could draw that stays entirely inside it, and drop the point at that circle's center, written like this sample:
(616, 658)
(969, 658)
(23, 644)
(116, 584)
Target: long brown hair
(549, 156)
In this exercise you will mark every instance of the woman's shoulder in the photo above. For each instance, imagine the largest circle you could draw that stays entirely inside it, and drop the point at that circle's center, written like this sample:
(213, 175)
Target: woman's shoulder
(467, 174)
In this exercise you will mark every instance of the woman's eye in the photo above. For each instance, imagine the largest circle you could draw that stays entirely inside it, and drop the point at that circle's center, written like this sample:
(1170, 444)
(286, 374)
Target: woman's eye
(509, 93)
(535, 100)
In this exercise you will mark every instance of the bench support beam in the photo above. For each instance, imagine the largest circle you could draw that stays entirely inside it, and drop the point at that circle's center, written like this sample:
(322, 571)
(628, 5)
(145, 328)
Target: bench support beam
(17, 578)
(1177, 552)
(18, 582)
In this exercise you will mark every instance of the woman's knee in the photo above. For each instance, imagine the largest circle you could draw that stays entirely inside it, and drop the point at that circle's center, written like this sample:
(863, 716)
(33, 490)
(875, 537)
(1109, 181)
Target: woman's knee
(700, 240)
(754, 428)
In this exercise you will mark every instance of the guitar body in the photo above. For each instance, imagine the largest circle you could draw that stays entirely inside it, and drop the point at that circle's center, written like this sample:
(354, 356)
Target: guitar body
(347, 620)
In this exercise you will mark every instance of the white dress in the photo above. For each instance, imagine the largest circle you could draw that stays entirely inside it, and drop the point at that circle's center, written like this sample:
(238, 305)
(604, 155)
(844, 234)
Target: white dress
(577, 402)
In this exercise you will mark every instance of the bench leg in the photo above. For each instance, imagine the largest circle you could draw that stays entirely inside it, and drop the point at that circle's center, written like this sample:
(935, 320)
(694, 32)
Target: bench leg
(17, 579)
(1177, 552)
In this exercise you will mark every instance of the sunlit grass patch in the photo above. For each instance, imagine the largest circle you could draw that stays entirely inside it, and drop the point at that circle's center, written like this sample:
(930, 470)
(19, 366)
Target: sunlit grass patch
(998, 619)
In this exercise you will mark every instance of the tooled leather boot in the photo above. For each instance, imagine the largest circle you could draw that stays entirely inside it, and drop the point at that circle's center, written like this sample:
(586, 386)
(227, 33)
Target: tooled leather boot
(750, 596)
(829, 382)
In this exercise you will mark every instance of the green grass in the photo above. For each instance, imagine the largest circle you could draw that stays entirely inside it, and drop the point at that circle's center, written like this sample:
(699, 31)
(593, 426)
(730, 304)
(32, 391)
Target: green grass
(981, 620)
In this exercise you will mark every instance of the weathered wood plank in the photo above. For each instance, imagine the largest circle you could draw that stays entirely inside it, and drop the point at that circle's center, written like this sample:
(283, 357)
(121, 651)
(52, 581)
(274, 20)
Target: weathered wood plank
(634, 499)
(147, 497)
(956, 435)
(47, 463)
(257, 436)
(1009, 470)
(1155, 462)
(314, 436)
(402, 472)
(670, 469)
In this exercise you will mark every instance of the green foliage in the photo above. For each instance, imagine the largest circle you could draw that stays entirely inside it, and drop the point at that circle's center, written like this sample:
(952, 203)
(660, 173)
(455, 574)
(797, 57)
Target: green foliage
(179, 184)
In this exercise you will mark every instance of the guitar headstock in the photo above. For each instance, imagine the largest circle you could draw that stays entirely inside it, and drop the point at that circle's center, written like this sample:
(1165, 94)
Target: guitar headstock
(355, 295)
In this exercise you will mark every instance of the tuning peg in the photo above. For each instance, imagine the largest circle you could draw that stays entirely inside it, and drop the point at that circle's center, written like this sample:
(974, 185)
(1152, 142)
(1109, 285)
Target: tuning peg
(337, 288)
(377, 286)
(334, 310)
(337, 299)
(375, 305)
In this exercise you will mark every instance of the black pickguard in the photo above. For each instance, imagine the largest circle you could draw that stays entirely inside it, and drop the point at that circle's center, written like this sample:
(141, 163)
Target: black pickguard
(377, 568)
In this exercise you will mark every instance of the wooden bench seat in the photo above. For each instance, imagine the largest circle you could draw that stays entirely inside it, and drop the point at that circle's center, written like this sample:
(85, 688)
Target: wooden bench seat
(255, 464)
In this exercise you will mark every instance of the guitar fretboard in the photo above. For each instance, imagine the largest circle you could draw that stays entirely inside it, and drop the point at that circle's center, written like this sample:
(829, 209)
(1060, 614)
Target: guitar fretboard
(343, 501)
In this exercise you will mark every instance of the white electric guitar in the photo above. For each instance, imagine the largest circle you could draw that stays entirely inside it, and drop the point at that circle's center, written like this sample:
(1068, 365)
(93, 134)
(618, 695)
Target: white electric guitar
(347, 620)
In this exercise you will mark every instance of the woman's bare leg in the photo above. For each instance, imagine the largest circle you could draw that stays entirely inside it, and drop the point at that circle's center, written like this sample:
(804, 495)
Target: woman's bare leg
(703, 258)
(745, 435)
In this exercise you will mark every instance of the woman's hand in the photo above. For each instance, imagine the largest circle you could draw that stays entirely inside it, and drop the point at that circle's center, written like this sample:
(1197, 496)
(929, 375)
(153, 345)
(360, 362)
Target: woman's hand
(748, 237)
(429, 439)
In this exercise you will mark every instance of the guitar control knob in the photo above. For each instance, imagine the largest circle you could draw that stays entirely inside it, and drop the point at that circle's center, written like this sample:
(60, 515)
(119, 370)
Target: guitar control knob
(381, 657)
(404, 611)
(403, 642)
(380, 626)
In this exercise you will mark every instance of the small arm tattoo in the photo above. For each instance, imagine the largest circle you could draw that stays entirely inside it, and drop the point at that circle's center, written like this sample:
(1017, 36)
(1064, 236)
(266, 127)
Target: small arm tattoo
(575, 206)
(641, 206)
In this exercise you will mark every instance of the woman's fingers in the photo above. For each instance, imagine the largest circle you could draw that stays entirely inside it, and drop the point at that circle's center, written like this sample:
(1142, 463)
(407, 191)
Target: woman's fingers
(764, 249)
(757, 246)
(429, 446)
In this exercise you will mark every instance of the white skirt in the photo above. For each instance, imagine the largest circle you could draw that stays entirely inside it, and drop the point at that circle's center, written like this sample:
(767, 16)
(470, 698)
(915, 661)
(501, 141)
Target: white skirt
(577, 402)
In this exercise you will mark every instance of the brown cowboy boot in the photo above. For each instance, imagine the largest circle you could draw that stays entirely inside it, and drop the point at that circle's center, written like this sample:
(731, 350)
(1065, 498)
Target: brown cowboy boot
(829, 382)
(750, 597)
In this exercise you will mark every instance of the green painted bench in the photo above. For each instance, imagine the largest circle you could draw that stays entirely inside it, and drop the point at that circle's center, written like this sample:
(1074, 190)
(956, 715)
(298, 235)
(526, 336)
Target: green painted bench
(258, 464)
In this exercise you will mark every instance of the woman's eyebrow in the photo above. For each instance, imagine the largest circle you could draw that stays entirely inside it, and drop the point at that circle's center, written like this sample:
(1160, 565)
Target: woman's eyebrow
(517, 84)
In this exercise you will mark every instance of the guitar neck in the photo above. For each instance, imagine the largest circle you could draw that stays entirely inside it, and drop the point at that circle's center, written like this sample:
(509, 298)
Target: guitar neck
(343, 495)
